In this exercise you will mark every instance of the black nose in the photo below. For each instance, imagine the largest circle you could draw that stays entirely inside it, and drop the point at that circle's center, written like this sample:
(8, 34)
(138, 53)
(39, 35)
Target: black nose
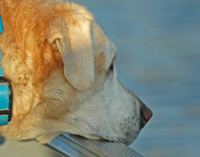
(146, 115)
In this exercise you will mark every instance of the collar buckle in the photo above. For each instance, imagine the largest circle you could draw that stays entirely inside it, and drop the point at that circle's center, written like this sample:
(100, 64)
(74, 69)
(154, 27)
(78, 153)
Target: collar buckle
(5, 101)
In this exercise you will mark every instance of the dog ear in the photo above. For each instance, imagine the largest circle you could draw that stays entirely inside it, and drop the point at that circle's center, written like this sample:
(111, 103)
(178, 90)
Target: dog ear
(73, 41)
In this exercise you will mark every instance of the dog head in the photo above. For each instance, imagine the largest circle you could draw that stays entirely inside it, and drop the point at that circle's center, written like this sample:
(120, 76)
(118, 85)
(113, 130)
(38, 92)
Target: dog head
(61, 67)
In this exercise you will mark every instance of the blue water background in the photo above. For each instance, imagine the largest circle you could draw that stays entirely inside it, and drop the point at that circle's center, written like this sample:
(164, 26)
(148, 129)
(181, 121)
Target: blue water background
(158, 44)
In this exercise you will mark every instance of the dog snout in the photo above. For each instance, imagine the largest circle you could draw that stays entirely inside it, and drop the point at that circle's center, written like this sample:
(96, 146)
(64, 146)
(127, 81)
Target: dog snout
(146, 115)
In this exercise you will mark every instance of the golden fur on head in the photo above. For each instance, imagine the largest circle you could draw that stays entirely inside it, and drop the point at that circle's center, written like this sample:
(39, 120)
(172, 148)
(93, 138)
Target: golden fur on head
(31, 55)
(60, 65)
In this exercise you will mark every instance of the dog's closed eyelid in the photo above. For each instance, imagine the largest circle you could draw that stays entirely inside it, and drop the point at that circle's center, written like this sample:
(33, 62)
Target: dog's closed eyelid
(111, 67)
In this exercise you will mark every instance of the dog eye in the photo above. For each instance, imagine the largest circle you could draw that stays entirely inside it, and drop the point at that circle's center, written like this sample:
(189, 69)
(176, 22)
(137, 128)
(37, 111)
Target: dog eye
(111, 67)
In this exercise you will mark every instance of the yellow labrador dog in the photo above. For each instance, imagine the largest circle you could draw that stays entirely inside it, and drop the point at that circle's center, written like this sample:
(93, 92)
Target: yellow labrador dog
(61, 68)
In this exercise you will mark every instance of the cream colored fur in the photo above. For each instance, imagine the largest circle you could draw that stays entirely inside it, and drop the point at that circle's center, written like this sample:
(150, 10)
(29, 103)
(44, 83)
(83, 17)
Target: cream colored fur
(57, 59)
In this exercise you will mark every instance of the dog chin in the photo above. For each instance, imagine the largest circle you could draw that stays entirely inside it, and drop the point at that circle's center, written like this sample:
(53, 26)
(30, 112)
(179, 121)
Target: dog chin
(126, 141)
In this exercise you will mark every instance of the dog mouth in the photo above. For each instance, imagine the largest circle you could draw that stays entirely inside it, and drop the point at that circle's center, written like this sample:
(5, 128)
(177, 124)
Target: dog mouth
(126, 141)
(125, 135)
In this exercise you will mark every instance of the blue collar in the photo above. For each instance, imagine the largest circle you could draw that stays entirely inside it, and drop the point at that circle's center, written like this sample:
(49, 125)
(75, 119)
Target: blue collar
(5, 94)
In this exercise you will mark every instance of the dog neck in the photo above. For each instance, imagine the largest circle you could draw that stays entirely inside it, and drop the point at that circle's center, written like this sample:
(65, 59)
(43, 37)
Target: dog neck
(5, 94)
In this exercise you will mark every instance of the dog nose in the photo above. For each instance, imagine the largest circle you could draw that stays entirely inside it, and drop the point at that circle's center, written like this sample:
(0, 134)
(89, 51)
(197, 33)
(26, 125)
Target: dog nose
(146, 115)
